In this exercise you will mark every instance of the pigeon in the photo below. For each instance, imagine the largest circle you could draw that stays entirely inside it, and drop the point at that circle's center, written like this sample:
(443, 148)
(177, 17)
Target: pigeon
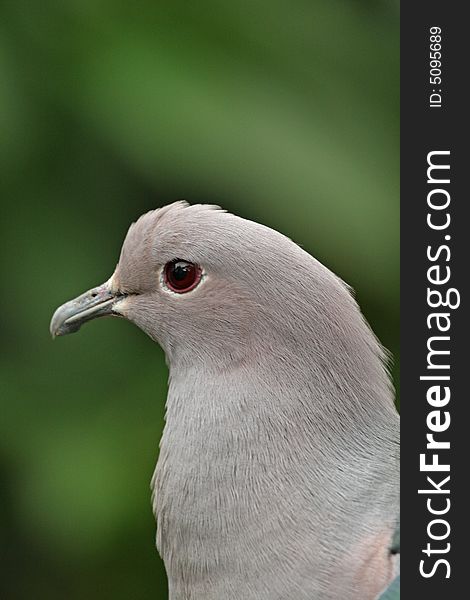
(278, 471)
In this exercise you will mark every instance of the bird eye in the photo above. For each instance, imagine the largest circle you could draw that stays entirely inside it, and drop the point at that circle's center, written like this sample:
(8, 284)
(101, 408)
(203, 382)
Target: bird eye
(181, 276)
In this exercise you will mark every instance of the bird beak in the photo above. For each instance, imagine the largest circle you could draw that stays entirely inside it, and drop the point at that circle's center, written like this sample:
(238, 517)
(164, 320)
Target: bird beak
(97, 302)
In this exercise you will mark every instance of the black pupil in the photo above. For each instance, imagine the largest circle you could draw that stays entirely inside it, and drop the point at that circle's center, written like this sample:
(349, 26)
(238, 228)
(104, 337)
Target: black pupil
(181, 271)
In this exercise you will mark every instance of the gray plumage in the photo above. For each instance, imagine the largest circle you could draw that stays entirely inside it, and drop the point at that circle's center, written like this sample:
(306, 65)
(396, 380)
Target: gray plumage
(278, 469)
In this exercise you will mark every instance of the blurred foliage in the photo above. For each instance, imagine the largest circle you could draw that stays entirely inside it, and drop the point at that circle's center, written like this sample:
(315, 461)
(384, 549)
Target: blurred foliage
(285, 113)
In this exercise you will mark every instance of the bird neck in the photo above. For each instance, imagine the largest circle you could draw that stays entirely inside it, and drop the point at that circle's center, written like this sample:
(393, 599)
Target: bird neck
(287, 404)
(244, 453)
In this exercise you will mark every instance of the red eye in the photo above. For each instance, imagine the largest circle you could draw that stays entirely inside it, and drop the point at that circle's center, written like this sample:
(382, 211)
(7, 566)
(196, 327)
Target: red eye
(181, 276)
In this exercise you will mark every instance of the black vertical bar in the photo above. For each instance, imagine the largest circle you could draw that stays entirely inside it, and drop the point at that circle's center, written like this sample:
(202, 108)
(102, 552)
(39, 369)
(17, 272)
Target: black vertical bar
(434, 118)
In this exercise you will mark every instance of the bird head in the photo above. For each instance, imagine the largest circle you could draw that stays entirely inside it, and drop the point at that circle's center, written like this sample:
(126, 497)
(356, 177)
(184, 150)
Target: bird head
(220, 291)
(185, 276)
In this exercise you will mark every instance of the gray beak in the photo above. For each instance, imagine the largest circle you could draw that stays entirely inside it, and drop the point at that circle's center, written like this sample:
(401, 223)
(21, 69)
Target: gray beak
(97, 302)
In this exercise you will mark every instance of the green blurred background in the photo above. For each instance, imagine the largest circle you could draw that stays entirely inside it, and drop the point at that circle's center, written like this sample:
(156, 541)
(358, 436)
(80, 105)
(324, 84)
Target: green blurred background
(283, 112)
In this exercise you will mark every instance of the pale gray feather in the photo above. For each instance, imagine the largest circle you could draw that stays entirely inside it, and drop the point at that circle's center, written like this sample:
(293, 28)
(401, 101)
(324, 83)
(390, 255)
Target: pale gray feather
(278, 469)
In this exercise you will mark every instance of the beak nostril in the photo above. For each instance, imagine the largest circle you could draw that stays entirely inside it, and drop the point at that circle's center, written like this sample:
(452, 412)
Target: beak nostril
(69, 317)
